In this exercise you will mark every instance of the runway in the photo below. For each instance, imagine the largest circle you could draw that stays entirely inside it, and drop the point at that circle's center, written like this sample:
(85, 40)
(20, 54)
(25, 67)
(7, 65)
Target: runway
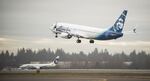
(65, 78)
(76, 75)
(138, 71)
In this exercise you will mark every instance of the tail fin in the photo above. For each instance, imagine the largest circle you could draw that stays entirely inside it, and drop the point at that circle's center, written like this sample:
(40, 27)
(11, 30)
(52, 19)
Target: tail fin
(119, 24)
(56, 60)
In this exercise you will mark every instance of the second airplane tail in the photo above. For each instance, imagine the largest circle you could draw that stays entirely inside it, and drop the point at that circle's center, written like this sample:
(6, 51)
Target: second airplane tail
(56, 60)
(119, 24)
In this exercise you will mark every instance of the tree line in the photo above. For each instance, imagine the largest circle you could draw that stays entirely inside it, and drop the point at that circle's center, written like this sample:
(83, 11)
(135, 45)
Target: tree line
(93, 60)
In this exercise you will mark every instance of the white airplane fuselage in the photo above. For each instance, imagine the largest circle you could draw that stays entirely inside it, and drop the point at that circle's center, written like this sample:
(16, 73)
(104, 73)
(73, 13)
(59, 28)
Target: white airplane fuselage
(38, 66)
(79, 30)
(67, 31)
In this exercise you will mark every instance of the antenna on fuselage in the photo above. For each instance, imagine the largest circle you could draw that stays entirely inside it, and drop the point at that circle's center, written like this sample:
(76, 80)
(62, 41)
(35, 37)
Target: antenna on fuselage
(134, 30)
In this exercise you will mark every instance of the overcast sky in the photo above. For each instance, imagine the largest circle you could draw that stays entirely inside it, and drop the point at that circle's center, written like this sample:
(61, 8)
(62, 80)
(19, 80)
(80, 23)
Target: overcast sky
(25, 23)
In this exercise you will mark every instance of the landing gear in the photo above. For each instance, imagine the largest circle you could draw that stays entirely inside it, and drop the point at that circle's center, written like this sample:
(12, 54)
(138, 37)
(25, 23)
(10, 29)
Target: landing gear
(78, 41)
(56, 35)
(69, 36)
(91, 41)
(38, 71)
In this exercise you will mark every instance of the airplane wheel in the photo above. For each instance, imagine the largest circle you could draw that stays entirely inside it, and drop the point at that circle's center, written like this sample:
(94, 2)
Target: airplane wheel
(78, 41)
(69, 36)
(91, 41)
(56, 35)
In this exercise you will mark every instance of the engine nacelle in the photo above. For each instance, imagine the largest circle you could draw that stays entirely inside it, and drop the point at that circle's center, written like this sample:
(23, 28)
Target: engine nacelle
(65, 35)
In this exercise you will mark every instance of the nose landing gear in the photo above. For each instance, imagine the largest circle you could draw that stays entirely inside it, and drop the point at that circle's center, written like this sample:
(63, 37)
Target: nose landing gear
(56, 35)
(78, 40)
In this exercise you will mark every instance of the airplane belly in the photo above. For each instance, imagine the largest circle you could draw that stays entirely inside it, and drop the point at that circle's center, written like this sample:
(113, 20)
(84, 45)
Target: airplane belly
(82, 34)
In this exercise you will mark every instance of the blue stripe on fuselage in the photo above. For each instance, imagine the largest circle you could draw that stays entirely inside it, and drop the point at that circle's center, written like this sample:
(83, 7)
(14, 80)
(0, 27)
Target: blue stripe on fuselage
(108, 35)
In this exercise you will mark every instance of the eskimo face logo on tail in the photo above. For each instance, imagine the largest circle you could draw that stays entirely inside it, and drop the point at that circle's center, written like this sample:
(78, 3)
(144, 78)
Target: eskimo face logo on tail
(56, 60)
(119, 25)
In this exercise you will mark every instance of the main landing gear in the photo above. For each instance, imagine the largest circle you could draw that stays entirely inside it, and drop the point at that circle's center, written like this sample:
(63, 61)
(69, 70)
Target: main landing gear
(37, 71)
(79, 41)
(91, 41)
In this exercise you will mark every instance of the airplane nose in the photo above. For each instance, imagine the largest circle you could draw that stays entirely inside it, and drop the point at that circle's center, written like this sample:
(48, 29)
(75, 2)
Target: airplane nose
(51, 27)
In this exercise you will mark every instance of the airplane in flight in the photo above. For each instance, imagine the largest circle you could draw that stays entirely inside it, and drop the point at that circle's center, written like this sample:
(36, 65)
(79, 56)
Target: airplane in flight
(68, 31)
(40, 66)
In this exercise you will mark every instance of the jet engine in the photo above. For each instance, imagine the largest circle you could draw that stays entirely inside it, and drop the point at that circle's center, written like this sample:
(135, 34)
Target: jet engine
(65, 35)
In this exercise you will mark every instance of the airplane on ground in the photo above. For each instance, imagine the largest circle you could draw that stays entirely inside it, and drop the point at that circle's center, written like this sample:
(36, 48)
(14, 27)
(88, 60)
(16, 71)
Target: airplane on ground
(40, 66)
(67, 31)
